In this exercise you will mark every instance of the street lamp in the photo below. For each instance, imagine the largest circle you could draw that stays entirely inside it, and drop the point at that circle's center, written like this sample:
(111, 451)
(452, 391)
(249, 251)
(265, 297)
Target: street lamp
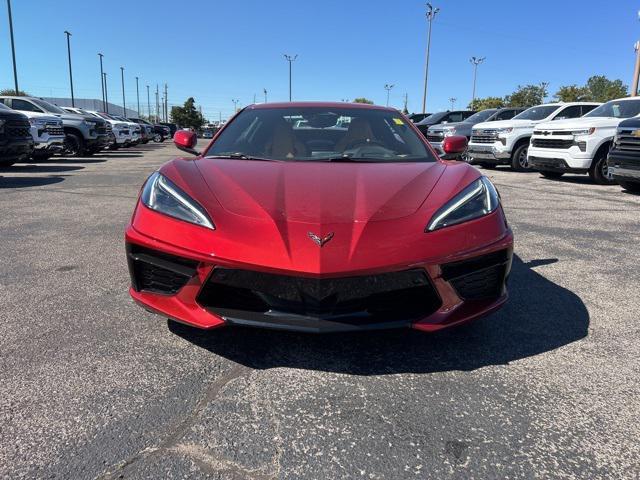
(388, 88)
(68, 34)
(106, 93)
(148, 103)
(265, 94)
(124, 104)
(104, 101)
(13, 48)
(431, 14)
(138, 97)
(453, 102)
(475, 62)
(235, 104)
(290, 59)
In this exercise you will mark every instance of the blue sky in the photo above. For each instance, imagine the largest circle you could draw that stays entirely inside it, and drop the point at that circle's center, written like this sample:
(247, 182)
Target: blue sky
(219, 50)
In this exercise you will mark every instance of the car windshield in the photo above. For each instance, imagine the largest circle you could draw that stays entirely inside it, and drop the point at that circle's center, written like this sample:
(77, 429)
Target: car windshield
(536, 113)
(320, 134)
(481, 116)
(48, 107)
(433, 117)
(617, 109)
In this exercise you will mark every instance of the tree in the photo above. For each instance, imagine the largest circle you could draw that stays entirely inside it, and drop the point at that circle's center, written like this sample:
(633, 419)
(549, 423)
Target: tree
(601, 89)
(527, 95)
(363, 100)
(11, 92)
(573, 93)
(488, 102)
(187, 116)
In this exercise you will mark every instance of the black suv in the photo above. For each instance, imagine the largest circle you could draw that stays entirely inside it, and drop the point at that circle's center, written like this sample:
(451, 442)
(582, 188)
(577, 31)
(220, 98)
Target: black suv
(624, 157)
(442, 117)
(16, 142)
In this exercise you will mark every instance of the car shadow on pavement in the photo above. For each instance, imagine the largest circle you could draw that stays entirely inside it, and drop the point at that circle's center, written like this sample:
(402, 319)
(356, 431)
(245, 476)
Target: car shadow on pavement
(31, 168)
(540, 316)
(23, 182)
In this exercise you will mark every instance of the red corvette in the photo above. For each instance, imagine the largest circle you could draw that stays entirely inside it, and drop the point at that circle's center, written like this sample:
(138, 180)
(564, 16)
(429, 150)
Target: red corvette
(319, 217)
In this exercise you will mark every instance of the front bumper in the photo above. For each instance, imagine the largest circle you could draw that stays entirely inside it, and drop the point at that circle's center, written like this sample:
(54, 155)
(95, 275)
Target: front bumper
(207, 292)
(570, 160)
(489, 152)
(624, 167)
(49, 143)
(16, 149)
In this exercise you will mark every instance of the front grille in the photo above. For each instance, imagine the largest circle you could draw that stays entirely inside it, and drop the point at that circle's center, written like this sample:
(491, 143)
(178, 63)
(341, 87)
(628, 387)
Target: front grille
(54, 129)
(101, 129)
(484, 136)
(627, 141)
(17, 129)
(363, 300)
(551, 143)
(480, 277)
(434, 138)
(158, 272)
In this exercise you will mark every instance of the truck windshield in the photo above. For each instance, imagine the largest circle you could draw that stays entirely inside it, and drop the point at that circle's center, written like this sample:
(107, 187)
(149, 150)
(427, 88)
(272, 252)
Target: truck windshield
(536, 113)
(617, 109)
(336, 134)
(481, 116)
(48, 107)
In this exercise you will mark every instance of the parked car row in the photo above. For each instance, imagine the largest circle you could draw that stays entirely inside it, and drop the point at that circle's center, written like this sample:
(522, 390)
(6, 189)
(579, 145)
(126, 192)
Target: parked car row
(34, 128)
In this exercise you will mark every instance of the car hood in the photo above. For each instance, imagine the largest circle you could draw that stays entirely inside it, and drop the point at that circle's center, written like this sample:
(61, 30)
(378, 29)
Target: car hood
(506, 124)
(319, 192)
(442, 126)
(584, 122)
(12, 115)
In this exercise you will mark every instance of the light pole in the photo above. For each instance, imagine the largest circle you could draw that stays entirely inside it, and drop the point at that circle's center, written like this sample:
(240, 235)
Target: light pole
(68, 34)
(634, 83)
(13, 48)
(405, 110)
(265, 94)
(138, 96)
(157, 104)
(290, 59)
(166, 103)
(148, 104)
(431, 14)
(124, 104)
(106, 93)
(388, 88)
(453, 102)
(104, 101)
(475, 62)
(235, 104)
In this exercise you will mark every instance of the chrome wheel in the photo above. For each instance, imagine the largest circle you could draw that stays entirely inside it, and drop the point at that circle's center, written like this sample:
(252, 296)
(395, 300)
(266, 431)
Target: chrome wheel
(523, 161)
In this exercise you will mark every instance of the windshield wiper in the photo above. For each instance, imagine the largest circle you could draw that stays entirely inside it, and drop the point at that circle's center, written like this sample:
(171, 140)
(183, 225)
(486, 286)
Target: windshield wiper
(240, 156)
(344, 158)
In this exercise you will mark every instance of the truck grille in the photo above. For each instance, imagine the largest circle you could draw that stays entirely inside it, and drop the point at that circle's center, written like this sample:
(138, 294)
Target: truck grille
(484, 136)
(434, 137)
(551, 143)
(54, 129)
(18, 129)
(627, 141)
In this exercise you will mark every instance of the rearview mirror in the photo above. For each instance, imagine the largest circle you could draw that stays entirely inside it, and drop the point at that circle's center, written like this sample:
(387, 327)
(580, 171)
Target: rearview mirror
(186, 141)
(453, 147)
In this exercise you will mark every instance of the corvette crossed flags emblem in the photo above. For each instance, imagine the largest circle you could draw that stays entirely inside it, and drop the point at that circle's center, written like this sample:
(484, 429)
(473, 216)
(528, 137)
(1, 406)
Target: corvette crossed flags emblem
(318, 240)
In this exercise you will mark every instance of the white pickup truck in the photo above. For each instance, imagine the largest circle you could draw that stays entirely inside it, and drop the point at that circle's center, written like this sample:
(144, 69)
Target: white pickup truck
(506, 142)
(580, 145)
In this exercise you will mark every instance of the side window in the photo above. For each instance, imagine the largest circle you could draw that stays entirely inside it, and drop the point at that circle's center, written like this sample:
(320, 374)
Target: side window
(466, 115)
(587, 108)
(24, 106)
(454, 117)
(505, 115)
(570, 112)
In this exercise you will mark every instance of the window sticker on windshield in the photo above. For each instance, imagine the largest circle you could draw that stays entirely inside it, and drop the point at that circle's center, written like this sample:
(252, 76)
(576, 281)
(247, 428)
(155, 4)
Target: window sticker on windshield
(398, 121)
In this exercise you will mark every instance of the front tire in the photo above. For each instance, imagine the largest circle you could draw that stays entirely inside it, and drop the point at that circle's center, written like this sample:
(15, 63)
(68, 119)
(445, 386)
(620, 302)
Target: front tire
(519, 160)
(633, 187)
(157, 138)
(552, 175)
(599, 171)
(74, 145)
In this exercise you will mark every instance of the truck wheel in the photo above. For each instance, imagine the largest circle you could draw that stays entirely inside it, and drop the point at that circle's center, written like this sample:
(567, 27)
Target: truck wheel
(74, 145)
(633, 187)
(488, 166)
(599, 171)
(552, 175)
(157, 138)
(519, 160)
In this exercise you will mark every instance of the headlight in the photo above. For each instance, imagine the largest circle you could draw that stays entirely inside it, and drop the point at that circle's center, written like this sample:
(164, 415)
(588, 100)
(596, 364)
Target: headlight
(585, 131)
(162, 195)
(505, 130)
(449, 131)
(89, 124)
(37, 122)
(478, 199)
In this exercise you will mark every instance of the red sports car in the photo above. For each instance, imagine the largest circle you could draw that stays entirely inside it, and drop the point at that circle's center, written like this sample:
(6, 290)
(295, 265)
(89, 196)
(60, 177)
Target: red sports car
(319, 217)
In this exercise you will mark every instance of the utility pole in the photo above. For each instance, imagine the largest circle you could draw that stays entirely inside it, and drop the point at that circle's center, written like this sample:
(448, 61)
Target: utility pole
(453, 102)
(235, 104)
(406, 102)
(106, 94)
(475, 62)
(431, 14)
(162, 107)
(124, 104)
(290, 59)
(13, 49)
(636, 71)
(157, 104)
(388, 88)
(104, 100)
(68, 34)
(138, 96)
(265, 94)
(166, 103)
(148, 103)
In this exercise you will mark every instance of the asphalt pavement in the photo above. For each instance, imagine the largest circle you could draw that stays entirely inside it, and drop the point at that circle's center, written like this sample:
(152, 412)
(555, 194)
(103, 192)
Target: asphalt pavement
(92, 386)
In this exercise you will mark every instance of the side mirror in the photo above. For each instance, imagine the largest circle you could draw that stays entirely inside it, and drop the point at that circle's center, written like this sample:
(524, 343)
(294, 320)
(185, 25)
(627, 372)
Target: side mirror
(186, 141)
(453, 147)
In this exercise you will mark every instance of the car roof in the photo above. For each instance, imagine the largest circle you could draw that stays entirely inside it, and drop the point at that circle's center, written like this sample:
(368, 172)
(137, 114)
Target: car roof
(363, 106)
